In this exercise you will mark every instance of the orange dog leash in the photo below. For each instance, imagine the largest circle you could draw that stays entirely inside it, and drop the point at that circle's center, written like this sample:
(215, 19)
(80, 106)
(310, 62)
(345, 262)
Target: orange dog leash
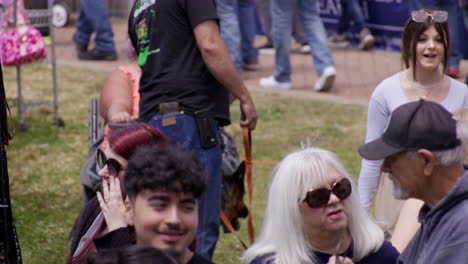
(247, 140)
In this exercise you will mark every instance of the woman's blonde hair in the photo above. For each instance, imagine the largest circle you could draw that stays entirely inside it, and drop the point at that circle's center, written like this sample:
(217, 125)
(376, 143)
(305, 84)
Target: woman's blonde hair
(282, 234)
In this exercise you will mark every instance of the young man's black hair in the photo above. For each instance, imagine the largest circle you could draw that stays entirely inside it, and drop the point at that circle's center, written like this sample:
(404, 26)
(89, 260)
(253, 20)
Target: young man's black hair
(166, 168)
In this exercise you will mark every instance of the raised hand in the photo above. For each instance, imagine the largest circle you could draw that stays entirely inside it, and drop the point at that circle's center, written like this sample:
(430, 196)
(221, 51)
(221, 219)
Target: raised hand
(112, 204)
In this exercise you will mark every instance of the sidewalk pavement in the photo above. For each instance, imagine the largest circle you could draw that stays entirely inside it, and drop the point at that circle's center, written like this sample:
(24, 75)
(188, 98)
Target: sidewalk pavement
(358, 72)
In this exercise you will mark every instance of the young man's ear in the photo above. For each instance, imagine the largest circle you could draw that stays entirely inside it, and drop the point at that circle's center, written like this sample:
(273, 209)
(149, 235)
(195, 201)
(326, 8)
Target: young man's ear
(129, 212)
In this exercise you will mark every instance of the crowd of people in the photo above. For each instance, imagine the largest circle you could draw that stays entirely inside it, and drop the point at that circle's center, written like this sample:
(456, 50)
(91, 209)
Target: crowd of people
(157, 196)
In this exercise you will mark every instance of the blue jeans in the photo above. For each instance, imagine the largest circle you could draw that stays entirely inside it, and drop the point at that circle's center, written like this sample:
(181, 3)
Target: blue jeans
(453, 9)
(184, 132)
(230, 31)
(94, 17)
(350, 11)
(264, 13)
(282, 15)
(247, 30)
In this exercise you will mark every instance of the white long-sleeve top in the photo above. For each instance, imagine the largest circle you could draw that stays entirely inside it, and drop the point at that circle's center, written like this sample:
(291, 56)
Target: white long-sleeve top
(387, 96)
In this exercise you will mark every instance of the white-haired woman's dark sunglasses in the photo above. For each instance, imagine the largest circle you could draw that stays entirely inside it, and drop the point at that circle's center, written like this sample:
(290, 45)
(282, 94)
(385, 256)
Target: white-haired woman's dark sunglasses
(316, 198)
(437, 16)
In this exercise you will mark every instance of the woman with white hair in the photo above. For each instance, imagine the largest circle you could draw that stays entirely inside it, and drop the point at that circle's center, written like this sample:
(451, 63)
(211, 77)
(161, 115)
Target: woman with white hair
(313, 214)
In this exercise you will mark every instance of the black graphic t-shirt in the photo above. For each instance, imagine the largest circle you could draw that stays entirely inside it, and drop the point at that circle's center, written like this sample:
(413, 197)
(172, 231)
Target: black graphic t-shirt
(173, 69)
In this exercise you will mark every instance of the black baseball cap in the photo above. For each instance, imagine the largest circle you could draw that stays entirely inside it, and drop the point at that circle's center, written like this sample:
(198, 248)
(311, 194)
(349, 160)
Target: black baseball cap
(412, 126)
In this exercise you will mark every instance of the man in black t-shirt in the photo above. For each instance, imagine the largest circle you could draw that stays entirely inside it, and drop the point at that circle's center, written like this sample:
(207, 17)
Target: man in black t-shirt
(187, 75)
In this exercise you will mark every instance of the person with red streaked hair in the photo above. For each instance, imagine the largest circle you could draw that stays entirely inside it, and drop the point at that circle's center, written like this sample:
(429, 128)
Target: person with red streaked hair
(105, 213)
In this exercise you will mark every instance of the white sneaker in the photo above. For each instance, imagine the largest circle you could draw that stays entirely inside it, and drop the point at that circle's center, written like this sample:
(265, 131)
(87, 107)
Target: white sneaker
(305, 48)
(271, 82)
(325, 81)
(366, 39)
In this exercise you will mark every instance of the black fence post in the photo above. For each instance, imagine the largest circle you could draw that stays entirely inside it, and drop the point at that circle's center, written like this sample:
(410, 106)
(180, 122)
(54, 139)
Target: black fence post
(10, 252)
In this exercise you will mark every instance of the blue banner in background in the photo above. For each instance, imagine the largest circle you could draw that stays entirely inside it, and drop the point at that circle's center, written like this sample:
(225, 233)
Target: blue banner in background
(385, 18)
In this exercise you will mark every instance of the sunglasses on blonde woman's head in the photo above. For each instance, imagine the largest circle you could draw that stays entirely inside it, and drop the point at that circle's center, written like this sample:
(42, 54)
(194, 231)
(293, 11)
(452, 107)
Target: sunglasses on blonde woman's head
(316, 198)
(436, 16)
(113, 166)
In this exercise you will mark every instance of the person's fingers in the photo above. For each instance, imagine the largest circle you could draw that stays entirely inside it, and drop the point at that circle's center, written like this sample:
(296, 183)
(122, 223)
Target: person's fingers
(105, 189)
(249, 116)
(101, 201)
(120, 117)
(250, 123)
(117, 194)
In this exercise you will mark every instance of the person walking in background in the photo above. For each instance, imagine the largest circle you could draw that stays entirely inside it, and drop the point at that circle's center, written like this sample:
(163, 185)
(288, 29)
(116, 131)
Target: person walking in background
(94, 18)
(264, 14)
(453, 9)
(228, 13)
(351, 11)
(424, 53)
(282, 15)
(237, 24)
(247, 25)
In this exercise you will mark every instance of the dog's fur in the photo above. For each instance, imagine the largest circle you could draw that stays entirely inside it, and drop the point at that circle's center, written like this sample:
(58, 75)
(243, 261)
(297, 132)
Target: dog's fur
(233, 183)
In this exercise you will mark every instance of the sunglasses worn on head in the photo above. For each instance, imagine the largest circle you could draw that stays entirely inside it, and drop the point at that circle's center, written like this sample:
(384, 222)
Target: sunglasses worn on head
(437, 16)
(319, 197)
(113, 166)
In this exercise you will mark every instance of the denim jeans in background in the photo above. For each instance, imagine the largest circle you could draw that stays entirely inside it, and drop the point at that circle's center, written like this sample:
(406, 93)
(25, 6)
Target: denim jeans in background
(247, 25)
(282, 15)
(184, 132)
(230, 31)
(453, 9)
(264, 14)
(350, 11)
(94, 17)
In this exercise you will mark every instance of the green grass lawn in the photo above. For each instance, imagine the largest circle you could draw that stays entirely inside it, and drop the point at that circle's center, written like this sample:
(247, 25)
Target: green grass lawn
(45, 161)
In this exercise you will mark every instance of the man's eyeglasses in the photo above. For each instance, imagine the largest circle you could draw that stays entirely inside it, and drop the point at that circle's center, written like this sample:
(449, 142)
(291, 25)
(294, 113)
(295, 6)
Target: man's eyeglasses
(113, 166)
(437, 16)
(320, 197)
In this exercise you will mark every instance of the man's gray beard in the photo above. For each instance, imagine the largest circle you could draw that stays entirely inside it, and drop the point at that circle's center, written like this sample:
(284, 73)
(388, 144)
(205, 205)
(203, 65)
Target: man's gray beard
(397, 192)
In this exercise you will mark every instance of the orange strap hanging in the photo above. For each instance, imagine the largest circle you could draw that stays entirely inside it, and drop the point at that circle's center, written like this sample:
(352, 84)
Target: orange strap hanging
(227, 223)
(247, 140)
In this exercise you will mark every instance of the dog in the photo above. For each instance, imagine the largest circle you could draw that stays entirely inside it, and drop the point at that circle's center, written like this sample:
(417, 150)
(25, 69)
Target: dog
(232, 201)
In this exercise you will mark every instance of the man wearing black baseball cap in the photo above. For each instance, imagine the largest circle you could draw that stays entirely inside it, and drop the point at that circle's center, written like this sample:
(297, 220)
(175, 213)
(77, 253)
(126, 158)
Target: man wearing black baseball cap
(424, 159)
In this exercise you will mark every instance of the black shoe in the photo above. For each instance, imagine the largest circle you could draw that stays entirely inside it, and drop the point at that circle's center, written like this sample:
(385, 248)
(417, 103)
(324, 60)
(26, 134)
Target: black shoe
(80, 48)
(95, 54)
